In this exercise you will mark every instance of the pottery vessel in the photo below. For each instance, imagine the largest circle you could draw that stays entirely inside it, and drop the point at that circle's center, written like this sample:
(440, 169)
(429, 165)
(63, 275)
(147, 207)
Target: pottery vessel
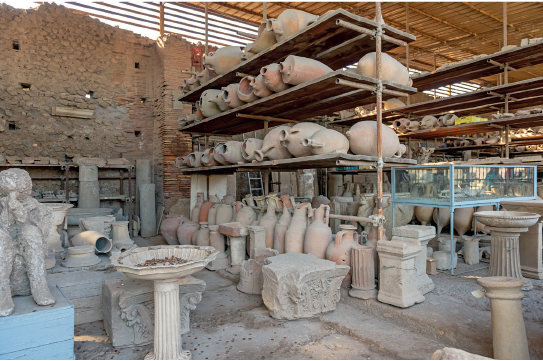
(185, 231)
(402, 149)
(294, 237)
(327, 141)
(217, 154)
(287, 200)
(448, 119)
(401, 125)
(263, 41)
(424, 214)
(339, 251)
(316, 202)
(207, 158)
(444, 217)
(363, 139)
(249, 147)
(225, 214)
(231, 152)
(168, 227)
(297, 70)
(259, 88)
(202, 239)
(271, 146)
(480, 226)
(212, 214)
(205, 76)
(230, 95)
(292, 138)
(269, 221)
(223, 59)
(207, 106)
(220, 101)
(195, 159)
(281, 229)
(428, 122)
(289, 22)
(413, 126)
(245, 90)
(318, 234)
(391, 69)
(393, 104)
(273, 78)
(228, 199)
(204, 211)
(463, 218)
(492, 140)
(246, 215)
(249, 200)
(195, 214)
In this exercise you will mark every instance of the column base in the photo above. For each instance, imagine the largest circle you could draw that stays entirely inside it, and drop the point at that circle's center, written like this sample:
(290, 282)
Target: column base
(235, 270)
(184, 355)
(363, 294)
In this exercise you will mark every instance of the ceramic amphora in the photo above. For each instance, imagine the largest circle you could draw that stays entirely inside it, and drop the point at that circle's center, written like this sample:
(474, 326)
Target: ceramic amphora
(185, 231)
(245, 90)
(195, 214)
(225, 214)
(393, 104)
(259, 88)
(294, 238)
(263, 41)
(195, 159)
(318, 235)
(297, 70)
(231, 152)
(269, 221)
(223, 59)
(391, 69)
(463, 218)
(204, 211)
(339, 251)
(207, 107)
(401, 125)
(363, 139)
(246, 215)
(316, 202)
(220, 101)
(202, 239)
(249, 147)
(281, 229)
(292, 138)
(217, 154)
(168, 227)
(205, 76)
(327, 141)
(207, 158)
(271, 146)
(273, 78)
(444, 217)
(428, 122)
(230, 95)
(289, 22)
(448, 119)
(424, 214)
(228, 199)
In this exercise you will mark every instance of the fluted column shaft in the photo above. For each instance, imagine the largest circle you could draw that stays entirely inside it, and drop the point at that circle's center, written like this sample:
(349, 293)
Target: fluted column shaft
(363, 273)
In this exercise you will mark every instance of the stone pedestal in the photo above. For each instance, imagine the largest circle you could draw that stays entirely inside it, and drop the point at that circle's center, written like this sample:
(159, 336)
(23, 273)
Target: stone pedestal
(363, 273)
(397, 273)
(216, 240)
(531, 256)
(147, 210)
(443, 260)
(100, 224)
(80, 256)
(54, 242)
(508, 331)
(297, 285)
(250, 277)
(89, 189)
(237, 234)
(120, 236)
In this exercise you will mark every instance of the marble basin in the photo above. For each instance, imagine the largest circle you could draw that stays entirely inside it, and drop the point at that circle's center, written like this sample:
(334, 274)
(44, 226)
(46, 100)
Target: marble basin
(506, 219)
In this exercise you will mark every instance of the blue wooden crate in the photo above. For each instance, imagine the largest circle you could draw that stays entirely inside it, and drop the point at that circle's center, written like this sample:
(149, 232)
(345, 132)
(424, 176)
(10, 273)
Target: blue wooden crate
(38, 332)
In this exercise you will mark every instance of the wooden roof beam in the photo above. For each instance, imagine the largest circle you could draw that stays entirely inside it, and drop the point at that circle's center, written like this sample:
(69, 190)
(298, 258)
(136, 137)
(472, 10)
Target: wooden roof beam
(228, 6)
(492, 16)
(215, 12)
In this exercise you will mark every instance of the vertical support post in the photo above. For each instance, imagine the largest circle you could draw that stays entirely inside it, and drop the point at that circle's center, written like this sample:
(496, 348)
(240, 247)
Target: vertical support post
(453, 246)
(206, 139)
(67, 184)
(407, 47)
(507, 141)
(379, 102)
(450, 89)
(130, 201)
(161, 18)
(266, 128)
(266, 182)
(505, 75)
(435, 90)
(121, 187)
(264, 11)
(206, 29)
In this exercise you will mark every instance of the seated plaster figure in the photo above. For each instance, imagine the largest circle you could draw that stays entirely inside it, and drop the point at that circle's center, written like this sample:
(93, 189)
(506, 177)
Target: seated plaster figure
(25, 225)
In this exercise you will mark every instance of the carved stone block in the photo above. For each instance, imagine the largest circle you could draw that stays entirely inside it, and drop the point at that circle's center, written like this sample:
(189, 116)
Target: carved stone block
(128, 307)
(250, 277)
(257, 239)
(297, 285)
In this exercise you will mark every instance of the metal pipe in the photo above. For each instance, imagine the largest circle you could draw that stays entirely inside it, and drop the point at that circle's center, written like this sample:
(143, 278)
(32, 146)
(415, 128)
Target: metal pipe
(379, 101)
(247, 35)
(507, 141)
(371, 88)
(265, 118)
(161, 18)
(369, 32)
(505, 66)
(407, 47)
(67, 185)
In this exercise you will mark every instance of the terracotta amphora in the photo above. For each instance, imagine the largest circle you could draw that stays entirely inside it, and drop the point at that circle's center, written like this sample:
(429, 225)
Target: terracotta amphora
(225, 214)
(195, 159)
(249, 147)
(246, 215)
(271, 146)
(219, 100)
(186, 230)
(281, 229)
(492, 140)
(230, 95)
(292, 138)
(217, 154)
(259, 88)
(289, 22)
(168, 227)
(339, 251)
(327, 141)
(191, 83)
(194, 236)
(228, 199)
(223, 59)
(429, 189)
(424, 214)
(463, 218)
(202, 239)
(481, 227)
(413, 126)
(294, 238)
(444, 217)
(269, 221)
(231, 152)
(401, 125)
(263, 40)
(318, 235)
(402, 149)
(212, 214)
(191, 118)
(273, 78)
(316, 202)
(393, 104)
(391, 69)
(274, 199)
(363, 139)
(448, 119)
(214, 198)
(245, 90)
(195, 214)
(205, 76)
(249, 200)
(297, 70)
(428, 122)
(207, 158)
(207, 107)
(204, 211)
(287, 200)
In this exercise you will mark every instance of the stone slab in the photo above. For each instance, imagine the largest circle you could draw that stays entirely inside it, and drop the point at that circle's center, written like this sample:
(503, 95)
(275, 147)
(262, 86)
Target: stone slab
(414, 231)
(147, 210)
(234, 229)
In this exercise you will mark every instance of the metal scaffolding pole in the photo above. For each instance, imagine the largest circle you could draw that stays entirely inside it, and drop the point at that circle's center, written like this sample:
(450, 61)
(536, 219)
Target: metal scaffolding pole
(206, 29)
(379, 101)
(505, 75)
(407, 47)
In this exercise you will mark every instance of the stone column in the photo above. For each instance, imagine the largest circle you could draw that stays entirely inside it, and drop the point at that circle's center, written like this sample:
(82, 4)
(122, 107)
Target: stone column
(120, 236)
(89, 189)
(363, 273)
(147, 210)
(397, 274)
(237, 253)
(143, 176)
(168, 341)
(508, 331)
(471, 250)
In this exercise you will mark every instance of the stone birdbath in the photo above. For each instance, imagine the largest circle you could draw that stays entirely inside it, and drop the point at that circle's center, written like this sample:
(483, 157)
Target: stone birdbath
(505, 228)
(165, 266)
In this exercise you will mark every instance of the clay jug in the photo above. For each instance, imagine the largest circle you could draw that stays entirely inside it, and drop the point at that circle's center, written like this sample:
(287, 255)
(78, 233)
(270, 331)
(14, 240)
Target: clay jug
(363, 139)
(391, 69)
(191, 83)
(401, 125)
(202, 239)
(402, 149)
(294, 238)
(297, 70)
(339, 251)
(219, 100)
(223, 59)
(273, 199)
(195, 159)
(271, 146)
(292, 138)
(318, 235)
(424, 214)
(225, 214)
(217, 154)
(249, 147)
(230, 95)
(245, 90)
(273, 78)
(204, 211)
(428, 122)
(269, 221)
(195, 214)
(281, 229)
(205, 76)
(231, 152)
(214, 198)
(493, 140)
(246, 215)
(263, 40)
(228, 199)
(316, 202)
(236, 207)
(207, 107)
(168, 227)
(444, 217)
(212, 214)
(463, 218)
(185, 231)
(327, 141)
(349, 189)
(207, 158)
(289, 22)
(194, 236)
(259, 88)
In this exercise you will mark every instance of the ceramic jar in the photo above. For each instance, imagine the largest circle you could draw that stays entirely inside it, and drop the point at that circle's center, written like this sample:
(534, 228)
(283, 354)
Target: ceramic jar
(259, 87)
(202, 239)
(228, 199)
(249, 147)
(246, 215)
(212, 214)
(219, 100)
(185, 231)
(428, 122)
(413, 126)
(223, 59)
(287, 200)
(207, 107)
(391, 69)
(225, 214)
(263, 41)
(271, 146)
(318, 235)
(424, 214)
(195, 159)
(327, 141)
(292, 138)
(295, 235)
(463, 218)
(231, 152)
(207, 158)
(274, 200)
(339, 251)
(393, 104)
(316, 202)
(245, 90)
(273, 78)
(297, 70)
(204, 211)
(249, 200)
(205, 76)
(444, 217)
(230, 95)
(448, 119)
(168, 227)
(363, 139)
(269, 221)
(289, 22)
(217, 154)
(195, 214)
(401, 125)
(281, 229)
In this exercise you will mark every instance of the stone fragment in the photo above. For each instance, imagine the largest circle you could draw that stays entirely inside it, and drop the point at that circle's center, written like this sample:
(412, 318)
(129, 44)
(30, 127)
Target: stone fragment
(257, 239)
(250, 277)
(471, 250)
(450, 353)
(363, 273)
(147, 210)
(443, 260)
(80, 256)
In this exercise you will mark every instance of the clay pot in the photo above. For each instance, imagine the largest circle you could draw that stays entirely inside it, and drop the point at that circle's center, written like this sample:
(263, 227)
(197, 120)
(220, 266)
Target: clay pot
(168, 227)
(249, 200)
(202, 239)
(289, 22)
(294, 238)
(414, 125)
(225, 214)
(363, 139)
(428, 122)
(259, 88)
(195, 214)
(391, 69)
(263, 41)
(444, 217)
(220, 101)
(393, 104)
(246, 215)
(401, 125)
(273, 78)
(339, 251)
(198, 111)
(207, 106)
(193, 238)
(191, 118)
(424, 214)
(292, 138)
(274, 200)
(448, 119)
(463, 218)
(281, 229)
(271, 146)
(245, 90)
(195, 159)
(217, 154)
(191, 83)
(231, 152)
(223, 59)
(185, 231)
(204, 211)
(318, 235)
(316, 202)
(327, 141)
(207, 158)
(297, 70)
(269, 221)
(249, 147)
(228, 199)
(230, 95)
(479, 141)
